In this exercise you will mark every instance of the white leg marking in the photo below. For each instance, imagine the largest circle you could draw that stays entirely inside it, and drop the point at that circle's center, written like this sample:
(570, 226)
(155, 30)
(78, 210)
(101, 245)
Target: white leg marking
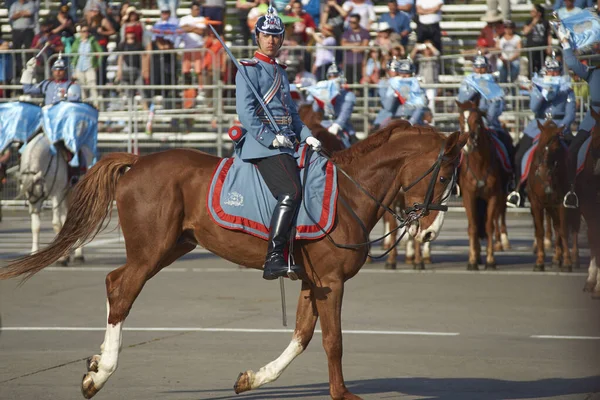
(388, 240)
(426, 249)
(410, 247)
(504, 240)
(274, 369)
(110, 354)
(35, 231)
(56, 217)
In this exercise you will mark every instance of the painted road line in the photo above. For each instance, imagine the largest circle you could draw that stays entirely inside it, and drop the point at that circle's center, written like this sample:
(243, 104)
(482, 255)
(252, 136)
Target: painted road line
(558, 337)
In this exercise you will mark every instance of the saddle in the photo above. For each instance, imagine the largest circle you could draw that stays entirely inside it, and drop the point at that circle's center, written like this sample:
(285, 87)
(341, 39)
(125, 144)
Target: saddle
(238, 198)
(502, 154)
(582, 155)
(528, 158)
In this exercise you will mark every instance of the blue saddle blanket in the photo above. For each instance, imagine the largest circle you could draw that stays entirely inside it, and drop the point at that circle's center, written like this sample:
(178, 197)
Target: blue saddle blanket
(238, 198)
(19, 121)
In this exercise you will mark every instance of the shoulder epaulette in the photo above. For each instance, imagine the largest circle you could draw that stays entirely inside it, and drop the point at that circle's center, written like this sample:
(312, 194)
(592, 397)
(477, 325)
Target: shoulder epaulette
(250, 62)
(282, 65)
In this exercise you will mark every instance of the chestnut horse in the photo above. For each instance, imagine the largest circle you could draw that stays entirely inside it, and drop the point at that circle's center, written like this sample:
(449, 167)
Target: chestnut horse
(588, 191)
(417, 254)
(161, 199)
(483, 184)
(312, 119)
(547, 183)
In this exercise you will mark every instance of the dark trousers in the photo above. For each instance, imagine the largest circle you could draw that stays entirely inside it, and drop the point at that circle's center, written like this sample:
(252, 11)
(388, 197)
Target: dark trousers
(21, 38)
(281, 175)
(321, 71)
(524, 144)
(574, 146)
(353, 73)
(430, 32)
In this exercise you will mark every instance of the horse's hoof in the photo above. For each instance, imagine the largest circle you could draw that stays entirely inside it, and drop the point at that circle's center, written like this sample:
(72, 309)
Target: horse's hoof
(427, 260)
(409, 260)
(390, 265)
(490, 266)
(472, 267)
(539, 268)
(79, 260)
(566, 268)
(88, 389)
(419, 266)
(589, 287)
(92, 363)
(242, 384)
(62, 263)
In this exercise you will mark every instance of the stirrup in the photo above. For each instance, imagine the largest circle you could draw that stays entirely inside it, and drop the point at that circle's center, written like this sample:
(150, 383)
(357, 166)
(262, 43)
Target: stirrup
(292, 272)
(513, 205)
(571, 193)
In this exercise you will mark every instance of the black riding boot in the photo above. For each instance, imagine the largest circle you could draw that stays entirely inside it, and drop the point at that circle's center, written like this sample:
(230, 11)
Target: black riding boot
(282, 221)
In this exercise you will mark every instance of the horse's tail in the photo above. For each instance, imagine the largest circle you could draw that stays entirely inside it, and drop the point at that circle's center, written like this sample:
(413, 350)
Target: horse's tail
(481, 207)
(89, 207)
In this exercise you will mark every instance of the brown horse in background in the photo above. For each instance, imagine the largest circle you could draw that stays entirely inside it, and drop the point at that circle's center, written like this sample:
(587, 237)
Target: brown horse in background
(588, 191)
(163, 215)
(547, 183)
(483, 184)
(312, 119)
(416, 254)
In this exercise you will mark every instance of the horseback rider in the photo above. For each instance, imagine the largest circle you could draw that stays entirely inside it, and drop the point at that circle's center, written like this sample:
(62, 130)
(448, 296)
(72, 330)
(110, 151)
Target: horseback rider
(59, 88)
(338, 116)
(545, 102)
(592, 76)
(272, 152)
(393, 103)
(492, 107)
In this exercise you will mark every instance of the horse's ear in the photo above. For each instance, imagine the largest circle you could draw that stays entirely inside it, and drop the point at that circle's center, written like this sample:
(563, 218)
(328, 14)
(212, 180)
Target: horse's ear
(454, 144)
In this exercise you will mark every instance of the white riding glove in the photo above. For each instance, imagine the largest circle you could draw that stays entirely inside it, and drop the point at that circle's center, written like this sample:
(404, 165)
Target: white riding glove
(314, 143)
(334, 129)
(27, 75)
(282, 141)
(563, 36)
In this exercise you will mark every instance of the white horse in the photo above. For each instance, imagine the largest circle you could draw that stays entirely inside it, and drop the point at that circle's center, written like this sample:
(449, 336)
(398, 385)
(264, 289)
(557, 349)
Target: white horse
(43, 176)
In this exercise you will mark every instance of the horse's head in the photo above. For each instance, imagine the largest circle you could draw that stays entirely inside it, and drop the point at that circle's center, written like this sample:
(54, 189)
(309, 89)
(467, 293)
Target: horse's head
(428, 180)
(549, 153)
(470, 119)
(309, 117)
(331, 143)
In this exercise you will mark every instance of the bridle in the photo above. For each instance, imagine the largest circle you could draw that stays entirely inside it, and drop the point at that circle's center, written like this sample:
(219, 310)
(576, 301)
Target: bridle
(406, 217)
(474, 143)
(550, 169)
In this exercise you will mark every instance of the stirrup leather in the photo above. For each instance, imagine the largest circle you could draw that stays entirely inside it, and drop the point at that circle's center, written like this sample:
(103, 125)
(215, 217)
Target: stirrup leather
(570, 193)
(514, 193)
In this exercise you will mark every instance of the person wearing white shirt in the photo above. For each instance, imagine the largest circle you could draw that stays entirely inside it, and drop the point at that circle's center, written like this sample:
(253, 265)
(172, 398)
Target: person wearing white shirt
(364, 8)
(568, 10)
(428, 26)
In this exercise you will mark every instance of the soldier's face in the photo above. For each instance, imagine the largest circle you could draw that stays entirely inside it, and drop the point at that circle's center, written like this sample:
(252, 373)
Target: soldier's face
(58, 74)
(552, 73)
(269, 44)
(481, 70)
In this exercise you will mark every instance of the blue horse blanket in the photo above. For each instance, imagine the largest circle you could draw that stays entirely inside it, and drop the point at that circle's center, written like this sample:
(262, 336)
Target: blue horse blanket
(19, 121)
(238, 198)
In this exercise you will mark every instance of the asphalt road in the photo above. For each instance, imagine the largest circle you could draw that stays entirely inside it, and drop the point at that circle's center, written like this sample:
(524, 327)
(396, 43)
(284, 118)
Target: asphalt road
(443, 334)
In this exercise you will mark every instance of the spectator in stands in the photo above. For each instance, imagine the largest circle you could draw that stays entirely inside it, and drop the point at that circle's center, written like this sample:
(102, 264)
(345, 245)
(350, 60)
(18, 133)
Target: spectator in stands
(364, 9)
(132, 19)
(255, 13)
(407, 6)
(194, 26)
(568, 9)
(92, 6)
(166, 18)
(358, 38)
(40, 40)
(213, 64)
(65, 27)
(427, 58)
(323, 57)
(214, 10)
(399, 21)
(5, 70)
(85, 65)
(303, 29)
(397, 51)
(101, 29)
(428, 26)
(243, 7)
(387, 38)
(558, 4)
(22, 21)
(492, 6)
(160, 69)
(509, 63)
(492, 30)
(129, 66)
(334, 15)
(371, 71)
(538, 34)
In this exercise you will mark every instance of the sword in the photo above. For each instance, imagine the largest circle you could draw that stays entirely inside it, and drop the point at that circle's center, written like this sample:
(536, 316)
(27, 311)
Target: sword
(243, 73)
(42, 50)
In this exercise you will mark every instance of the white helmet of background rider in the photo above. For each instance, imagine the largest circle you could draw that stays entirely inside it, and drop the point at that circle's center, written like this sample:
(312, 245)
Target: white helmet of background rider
(333, 73)
(60, 64)
(74, 92)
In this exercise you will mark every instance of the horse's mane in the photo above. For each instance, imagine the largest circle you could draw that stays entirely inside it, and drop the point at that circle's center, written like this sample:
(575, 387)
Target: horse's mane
(379, 138)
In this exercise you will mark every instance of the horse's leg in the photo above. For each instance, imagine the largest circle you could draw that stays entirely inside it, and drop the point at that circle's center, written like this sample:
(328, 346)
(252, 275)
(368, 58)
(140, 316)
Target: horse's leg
(390, 224)
(497, 238)
(537, 212)
(561, 229)
(471, 211)
(34, 212)
(306, 319)
(409, 256)
(503, 231)
(548, 233)
(573, 225)
(427, 252)
(329, 306)
(418, 263)
(590, 283)
(557, 257)
(492, 216)
(59, 215)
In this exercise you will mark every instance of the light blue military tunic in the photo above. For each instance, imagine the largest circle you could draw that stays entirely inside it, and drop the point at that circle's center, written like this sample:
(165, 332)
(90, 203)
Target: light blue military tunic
(562, 107)
(53, 91)
(492, 108)
(592, 76)
(342, 110)
(393, 109)
(271, 82)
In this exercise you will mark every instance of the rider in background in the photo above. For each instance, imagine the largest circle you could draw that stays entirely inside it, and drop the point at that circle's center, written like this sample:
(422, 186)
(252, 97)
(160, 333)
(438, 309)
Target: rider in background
(57, 89)
(394, 104)
(272, 152)
(340, 114)
(558, 104)
(491, 108)
(592, 76)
